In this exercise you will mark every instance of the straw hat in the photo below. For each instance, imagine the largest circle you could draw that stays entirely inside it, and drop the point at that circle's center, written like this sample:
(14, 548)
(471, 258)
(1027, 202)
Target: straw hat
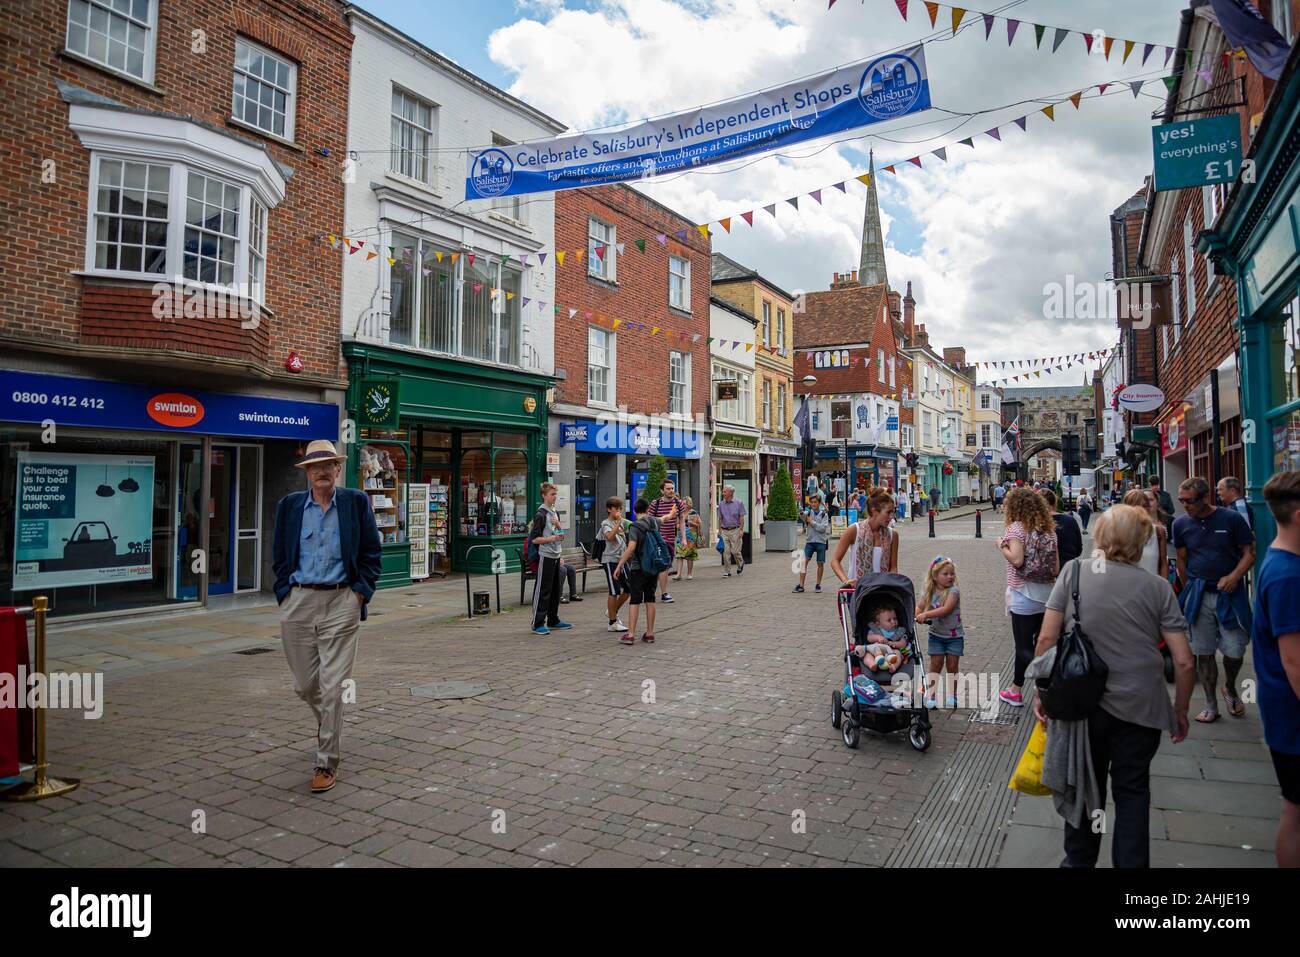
(320, 450)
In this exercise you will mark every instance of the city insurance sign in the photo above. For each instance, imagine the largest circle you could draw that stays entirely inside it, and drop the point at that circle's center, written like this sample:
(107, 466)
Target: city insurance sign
(1199, 152)
(867, 92)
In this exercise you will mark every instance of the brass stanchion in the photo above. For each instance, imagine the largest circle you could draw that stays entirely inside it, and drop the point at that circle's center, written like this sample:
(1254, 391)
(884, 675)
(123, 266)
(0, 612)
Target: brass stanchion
(42, 785)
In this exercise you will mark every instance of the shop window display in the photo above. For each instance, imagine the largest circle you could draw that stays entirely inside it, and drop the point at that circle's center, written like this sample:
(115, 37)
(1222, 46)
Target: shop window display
(383, 478)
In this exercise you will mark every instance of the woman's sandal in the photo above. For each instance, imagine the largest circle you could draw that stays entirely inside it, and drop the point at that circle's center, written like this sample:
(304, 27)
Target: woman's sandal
(1213, 716)
(648, 638)
(1235, 706)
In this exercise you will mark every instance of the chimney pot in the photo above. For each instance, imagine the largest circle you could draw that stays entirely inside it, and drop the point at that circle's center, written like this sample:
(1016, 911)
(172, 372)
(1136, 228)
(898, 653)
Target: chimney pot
(855, 275)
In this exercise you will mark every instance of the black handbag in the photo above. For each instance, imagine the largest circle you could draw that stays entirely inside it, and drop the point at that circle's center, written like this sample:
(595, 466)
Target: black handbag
(1078, 678)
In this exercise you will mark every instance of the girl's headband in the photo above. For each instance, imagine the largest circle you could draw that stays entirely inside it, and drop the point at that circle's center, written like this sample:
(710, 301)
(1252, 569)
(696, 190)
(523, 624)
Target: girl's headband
(939, 559)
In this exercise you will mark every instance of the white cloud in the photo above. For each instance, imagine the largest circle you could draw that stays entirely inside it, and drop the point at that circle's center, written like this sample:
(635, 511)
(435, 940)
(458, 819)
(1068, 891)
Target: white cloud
(995, 224)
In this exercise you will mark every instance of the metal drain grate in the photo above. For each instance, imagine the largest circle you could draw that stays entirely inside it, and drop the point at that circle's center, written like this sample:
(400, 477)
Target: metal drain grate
(255, 651)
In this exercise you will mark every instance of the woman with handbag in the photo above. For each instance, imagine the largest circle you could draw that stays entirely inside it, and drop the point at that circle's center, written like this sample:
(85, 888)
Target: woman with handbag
(1121, 615)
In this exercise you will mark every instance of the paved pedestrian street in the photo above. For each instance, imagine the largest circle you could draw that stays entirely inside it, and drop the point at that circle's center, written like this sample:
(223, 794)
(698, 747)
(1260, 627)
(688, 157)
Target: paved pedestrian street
(712, 747)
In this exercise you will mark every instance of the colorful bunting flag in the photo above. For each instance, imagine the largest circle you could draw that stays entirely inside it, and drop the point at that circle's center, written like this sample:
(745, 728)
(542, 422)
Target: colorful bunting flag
(916, 160)
(1047, 110)
(988, 25)
(793, 201)
(1136, 87)
(1062, 33)
(1012, 26)
(704, 230)
(1039, 30)
(1146, 51)
(817, 195)
(725, 224)
(902, 7)
(957, 14)
(1076, 98)
(942, 153)
(1020, 122)
(933, 10)
(748, 217)
(640, 244)
(1107, 43)
(1128, 48)
(995, 134)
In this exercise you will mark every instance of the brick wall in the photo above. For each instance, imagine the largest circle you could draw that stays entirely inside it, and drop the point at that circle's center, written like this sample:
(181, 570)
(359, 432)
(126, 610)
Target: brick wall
(44, 306)
(639, 295)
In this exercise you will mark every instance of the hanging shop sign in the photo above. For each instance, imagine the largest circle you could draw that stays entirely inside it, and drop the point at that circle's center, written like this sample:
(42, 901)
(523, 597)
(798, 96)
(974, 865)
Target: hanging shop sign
(726, 389)
(864, 93)
(82, 520)
(1197, 152)
(1173, 434)
(67, 401)
(1141, 398)
(380, 404)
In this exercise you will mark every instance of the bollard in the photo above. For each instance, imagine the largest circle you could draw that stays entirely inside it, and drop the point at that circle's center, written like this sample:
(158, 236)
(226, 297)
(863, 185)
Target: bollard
(932, 523)
(978, 523)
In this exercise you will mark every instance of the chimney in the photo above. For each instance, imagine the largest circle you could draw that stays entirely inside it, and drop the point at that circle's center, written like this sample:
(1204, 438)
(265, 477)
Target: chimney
(855, 275)
(955, 356)
(895, 311)
(842, 281)
(909, 314)
(919, 338)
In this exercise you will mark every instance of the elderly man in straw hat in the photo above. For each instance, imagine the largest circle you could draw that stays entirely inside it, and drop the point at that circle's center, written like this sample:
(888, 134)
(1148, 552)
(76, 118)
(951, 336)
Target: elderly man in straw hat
(326, 560)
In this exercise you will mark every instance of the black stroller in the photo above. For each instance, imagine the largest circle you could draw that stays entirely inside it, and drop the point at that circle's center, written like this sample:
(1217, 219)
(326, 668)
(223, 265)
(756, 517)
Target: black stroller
(858, 704)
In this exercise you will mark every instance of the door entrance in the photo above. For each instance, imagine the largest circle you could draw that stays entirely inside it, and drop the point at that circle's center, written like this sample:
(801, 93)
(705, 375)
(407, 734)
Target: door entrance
(586, 516)
(234, 510)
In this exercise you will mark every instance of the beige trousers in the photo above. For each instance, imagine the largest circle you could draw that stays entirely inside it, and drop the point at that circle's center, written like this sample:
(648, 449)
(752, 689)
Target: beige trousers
(733, 539)
(319, 632)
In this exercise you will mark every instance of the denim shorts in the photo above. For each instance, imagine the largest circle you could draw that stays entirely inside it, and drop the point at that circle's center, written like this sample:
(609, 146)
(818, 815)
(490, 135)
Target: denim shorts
(941, 645)
(1208, 636)
(815, 548)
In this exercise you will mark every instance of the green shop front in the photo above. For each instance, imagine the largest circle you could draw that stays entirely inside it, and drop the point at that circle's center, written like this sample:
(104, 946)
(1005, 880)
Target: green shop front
(1257, 242)
(452, 455)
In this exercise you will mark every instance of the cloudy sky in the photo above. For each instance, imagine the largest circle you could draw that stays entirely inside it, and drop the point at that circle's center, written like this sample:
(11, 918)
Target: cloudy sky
(979, 236)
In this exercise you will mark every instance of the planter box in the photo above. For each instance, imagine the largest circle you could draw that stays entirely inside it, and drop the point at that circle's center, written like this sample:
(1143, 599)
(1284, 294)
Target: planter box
(781, 536)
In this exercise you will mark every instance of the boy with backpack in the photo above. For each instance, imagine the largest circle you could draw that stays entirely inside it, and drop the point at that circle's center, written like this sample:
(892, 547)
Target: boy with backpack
(611, 542)
(646, 556)
(544, 546)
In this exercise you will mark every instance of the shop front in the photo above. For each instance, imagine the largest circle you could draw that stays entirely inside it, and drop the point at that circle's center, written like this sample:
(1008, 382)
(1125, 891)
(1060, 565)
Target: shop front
(1173, 447)
(733, 460)
(600, 459)
(1216, 452)
(123, 496)
(1257, 242)
(452, 455)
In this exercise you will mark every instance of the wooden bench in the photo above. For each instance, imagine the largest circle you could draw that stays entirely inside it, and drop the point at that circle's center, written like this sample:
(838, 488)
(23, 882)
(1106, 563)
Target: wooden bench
(578, 557)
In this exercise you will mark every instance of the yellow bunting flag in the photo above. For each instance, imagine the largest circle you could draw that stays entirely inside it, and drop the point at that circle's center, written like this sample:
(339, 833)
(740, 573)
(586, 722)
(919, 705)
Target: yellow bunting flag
(654, 330)
(1047, 111)
(957, 14)
(438, 255)
(1076, 98)
(725, 224)
(391, 261)
(864, 179)
(748, 346)
(509, 296)
(1128, 48)
(617, 323)
(704, 230)
(559, 256)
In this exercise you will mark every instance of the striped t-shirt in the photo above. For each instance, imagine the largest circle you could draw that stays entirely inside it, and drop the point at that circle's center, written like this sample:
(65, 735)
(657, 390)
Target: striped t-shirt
(660, 508)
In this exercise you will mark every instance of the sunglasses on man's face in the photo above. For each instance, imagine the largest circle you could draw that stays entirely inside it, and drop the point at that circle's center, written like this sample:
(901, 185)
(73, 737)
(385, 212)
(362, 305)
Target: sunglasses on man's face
(1189, 501)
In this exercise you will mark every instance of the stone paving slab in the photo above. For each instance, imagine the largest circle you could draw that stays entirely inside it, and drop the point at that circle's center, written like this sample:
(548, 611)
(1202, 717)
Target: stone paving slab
(712, 747)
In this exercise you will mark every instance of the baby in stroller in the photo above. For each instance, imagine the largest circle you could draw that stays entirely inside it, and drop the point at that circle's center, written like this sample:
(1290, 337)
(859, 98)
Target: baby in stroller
(886, 647)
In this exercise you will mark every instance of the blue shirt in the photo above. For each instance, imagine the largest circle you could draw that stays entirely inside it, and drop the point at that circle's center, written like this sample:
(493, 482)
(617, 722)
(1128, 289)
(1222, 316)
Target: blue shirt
(1277, 613)
(1213, 543)
(320, 555)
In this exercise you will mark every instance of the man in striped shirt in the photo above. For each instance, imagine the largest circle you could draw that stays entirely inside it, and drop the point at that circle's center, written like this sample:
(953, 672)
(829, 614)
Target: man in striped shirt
(667, 508)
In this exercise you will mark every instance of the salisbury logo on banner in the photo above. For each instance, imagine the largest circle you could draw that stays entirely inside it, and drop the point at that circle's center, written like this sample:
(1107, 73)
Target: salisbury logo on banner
(885, 88)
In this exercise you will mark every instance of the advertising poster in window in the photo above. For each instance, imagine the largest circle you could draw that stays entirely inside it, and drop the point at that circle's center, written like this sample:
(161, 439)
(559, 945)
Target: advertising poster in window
(82, 520)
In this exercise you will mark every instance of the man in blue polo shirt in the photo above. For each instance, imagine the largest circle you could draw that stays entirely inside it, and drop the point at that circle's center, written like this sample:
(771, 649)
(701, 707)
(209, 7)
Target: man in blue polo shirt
(1215, 549)
(1276, 641)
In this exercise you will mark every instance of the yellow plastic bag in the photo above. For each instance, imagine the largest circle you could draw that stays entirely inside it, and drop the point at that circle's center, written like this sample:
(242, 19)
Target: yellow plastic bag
(1028, 776)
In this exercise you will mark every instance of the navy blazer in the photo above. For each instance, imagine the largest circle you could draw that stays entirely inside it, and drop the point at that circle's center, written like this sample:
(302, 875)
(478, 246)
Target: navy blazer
(358, 540)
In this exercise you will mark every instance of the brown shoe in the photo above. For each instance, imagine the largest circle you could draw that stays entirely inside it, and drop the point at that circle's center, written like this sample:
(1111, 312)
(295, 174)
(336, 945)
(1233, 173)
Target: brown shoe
(322, 780)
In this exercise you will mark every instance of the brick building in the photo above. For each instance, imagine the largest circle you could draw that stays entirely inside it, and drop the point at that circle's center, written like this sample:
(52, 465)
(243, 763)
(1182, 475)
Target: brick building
(1195, 360)
(631, 349)
(845, 339)
(167, 169)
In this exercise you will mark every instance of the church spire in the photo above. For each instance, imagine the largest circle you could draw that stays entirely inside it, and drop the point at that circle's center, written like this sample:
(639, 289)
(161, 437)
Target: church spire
(871, 270)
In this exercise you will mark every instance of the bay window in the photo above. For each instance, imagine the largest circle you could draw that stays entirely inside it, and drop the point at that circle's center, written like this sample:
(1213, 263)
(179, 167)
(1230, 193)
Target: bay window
(457, 307)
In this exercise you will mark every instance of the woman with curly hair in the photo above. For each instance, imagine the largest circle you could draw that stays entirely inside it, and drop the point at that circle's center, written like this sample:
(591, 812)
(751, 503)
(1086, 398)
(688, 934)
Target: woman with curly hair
(1029, 546)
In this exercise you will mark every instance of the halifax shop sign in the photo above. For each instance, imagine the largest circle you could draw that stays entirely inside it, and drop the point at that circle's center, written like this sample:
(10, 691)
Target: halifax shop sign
(93, 403)
(867, 92)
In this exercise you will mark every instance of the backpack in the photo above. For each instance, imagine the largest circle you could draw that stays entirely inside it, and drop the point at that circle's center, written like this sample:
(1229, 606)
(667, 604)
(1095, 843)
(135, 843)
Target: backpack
(1078, 678)
(1040, 558)
(532, 555)
(653, 554)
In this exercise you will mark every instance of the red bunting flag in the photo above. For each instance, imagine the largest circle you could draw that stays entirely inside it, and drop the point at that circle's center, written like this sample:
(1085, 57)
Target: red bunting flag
(748, 217)
(1087, 41)
(916, 160)
(902, 7)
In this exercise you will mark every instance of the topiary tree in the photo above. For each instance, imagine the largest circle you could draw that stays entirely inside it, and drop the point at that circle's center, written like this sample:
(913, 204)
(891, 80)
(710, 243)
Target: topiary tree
(780, 501)
(656, 478)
